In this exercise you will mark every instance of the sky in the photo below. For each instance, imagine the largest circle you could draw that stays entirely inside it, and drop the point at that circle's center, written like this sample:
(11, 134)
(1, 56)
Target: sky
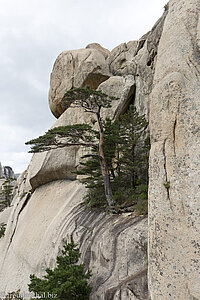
(32, 34)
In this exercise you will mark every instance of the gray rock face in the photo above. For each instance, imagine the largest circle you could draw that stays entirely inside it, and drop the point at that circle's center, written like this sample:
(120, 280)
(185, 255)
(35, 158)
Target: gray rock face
(121, 87)
(46, 209)
(121, 60)
(6, 172)
(113, 247)
(174, 192)
(98, 47)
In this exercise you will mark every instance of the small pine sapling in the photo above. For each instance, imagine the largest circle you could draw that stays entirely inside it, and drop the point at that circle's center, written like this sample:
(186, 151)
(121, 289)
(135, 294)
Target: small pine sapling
(67, 281)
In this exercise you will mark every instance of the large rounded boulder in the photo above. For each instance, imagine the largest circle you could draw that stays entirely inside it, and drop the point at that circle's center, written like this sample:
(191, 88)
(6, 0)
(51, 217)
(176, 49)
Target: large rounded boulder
(76, 68)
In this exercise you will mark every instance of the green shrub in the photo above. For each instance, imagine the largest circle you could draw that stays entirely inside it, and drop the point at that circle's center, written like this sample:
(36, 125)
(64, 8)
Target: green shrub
(68, 281)
(167, 184)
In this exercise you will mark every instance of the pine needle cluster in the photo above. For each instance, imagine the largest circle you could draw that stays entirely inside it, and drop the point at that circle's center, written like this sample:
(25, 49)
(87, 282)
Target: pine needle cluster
(63, 136)
(91, 100)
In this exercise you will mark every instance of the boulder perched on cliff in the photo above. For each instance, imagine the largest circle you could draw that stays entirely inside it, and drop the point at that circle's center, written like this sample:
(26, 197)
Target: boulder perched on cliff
(74, 69)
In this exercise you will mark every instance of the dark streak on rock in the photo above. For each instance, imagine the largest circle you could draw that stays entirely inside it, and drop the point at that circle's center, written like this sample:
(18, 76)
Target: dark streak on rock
(110, 293)
(174, 136)
(117, 230)
(165, 168)
(87, 257)
(94, 224)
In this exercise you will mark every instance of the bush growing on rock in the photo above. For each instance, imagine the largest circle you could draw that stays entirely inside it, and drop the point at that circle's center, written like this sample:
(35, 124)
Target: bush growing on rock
(68, 281)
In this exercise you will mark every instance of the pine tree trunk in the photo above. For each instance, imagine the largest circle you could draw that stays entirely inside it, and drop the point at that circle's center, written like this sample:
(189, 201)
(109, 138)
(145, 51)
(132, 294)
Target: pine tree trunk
(104, 169)
(132, 179)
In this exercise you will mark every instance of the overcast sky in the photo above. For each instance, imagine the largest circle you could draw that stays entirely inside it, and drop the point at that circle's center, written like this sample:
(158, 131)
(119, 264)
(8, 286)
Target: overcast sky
(32, 34)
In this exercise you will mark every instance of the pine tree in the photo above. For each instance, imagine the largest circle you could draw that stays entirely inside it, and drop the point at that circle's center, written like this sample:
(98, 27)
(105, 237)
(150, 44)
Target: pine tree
(81, 134)
(130, 145)
(126, 153)
(68, 281)
(94, 182)
(131, 182)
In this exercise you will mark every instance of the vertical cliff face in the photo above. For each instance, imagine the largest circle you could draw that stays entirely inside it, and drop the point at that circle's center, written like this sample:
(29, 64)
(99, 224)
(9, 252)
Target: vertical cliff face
(174, 192)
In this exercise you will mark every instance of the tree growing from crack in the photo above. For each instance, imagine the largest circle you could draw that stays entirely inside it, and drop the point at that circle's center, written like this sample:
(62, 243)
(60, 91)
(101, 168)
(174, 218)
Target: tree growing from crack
(81, 134)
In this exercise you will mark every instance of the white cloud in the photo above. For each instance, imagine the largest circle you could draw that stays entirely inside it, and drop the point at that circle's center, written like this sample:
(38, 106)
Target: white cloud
(17, 160)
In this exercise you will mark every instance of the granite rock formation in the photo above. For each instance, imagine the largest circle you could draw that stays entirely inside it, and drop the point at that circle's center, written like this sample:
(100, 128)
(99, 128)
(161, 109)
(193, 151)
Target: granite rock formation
(160, 75)
(6, 172)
